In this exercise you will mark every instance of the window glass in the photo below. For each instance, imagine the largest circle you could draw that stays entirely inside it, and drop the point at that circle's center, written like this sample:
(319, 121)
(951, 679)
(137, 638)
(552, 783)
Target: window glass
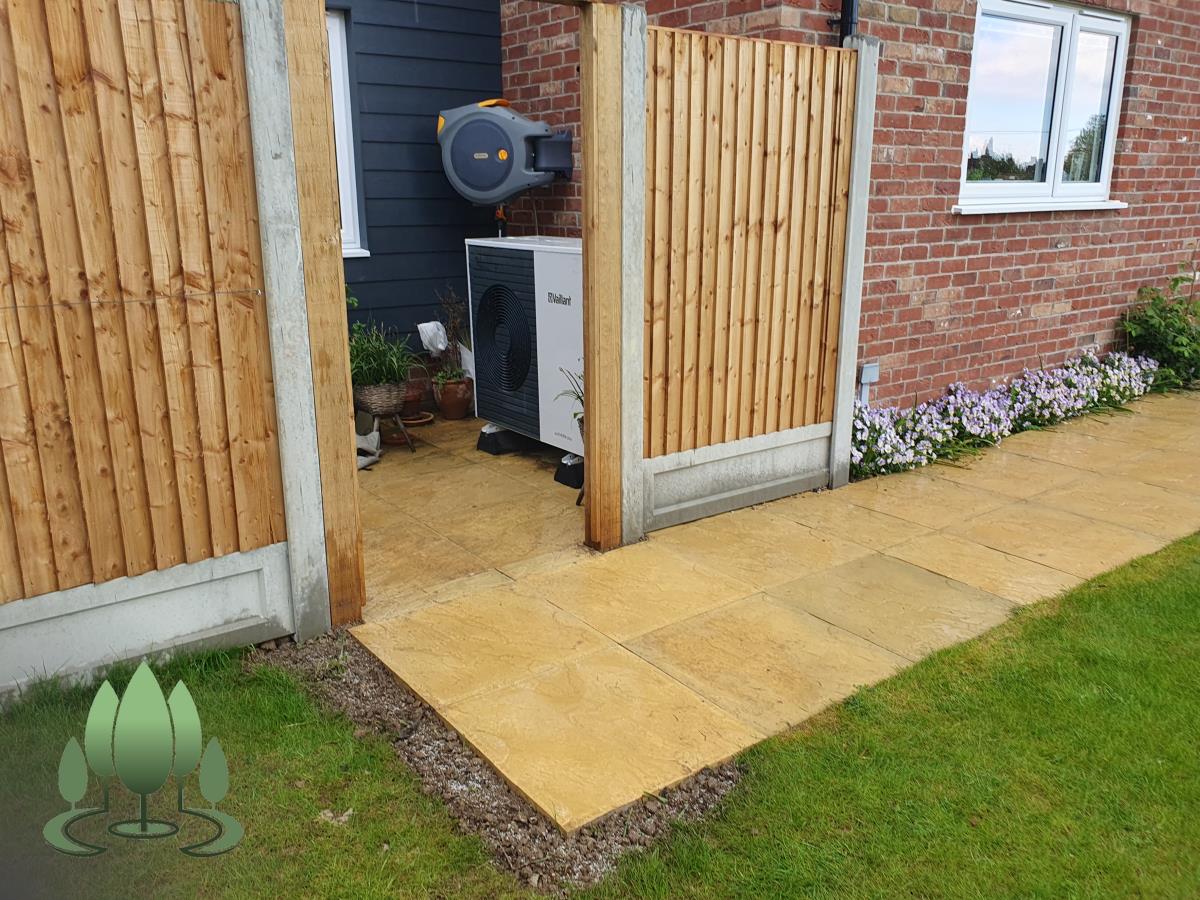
(1086, 120)
(1012, 99)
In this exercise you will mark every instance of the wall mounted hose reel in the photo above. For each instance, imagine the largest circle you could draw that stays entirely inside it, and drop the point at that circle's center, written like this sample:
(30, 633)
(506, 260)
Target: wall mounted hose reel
(491, 154)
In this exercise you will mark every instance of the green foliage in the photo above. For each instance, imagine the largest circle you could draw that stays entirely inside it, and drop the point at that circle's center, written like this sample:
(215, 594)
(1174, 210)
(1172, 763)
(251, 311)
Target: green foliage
(142, 742)
(186, 722)
(449, 373)
(1165, 325)
(573, 391)
(214, 773)
(1083, 161)
(72, 773)
(377, 356)
(98, 733)
(988, 167)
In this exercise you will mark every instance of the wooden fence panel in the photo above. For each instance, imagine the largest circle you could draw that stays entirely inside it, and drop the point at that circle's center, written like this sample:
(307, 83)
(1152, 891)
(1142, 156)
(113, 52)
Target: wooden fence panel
(748, 150)
(137, 415)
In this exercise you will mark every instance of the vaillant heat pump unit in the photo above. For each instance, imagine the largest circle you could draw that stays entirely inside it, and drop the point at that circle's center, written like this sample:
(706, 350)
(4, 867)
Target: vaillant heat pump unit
(527, 334)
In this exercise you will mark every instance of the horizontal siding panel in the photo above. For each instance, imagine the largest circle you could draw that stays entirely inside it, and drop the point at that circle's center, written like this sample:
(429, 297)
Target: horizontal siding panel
(383, 40)
(398, 266)
(428, 212)
(459, 19)
(405, 129)
(382, 156)
(409, 186)
(410, 60)
(400, 100)
(407, 72)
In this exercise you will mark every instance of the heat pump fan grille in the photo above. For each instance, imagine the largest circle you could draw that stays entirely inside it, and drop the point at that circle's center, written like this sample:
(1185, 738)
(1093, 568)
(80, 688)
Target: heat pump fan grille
(506, 345)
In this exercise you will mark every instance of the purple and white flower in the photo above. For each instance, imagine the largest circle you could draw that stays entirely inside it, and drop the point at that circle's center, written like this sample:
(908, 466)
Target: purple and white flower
(892, 439)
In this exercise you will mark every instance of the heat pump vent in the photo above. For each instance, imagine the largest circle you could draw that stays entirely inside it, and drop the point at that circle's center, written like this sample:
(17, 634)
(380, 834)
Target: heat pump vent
(527, 330)
(505, 339)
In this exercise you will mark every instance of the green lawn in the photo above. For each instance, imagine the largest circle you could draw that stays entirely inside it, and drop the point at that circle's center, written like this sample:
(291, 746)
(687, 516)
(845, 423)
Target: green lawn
(288, 761)
(1058, 755)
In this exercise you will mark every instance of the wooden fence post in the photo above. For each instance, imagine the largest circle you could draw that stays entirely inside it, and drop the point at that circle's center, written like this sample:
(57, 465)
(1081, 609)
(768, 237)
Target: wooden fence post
(856, 242)
(601, 102)
(325, 293)
(287, 71)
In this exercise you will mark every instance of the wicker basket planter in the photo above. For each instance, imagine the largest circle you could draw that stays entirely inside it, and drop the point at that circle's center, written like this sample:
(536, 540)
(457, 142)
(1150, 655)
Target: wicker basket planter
(380, 399)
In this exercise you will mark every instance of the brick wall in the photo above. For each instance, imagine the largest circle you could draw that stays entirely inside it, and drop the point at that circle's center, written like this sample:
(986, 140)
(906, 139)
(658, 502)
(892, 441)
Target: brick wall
(948, 297)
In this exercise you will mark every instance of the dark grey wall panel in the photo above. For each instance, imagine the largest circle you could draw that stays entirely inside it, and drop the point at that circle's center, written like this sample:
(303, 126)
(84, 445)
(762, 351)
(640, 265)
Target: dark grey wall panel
(409, 59)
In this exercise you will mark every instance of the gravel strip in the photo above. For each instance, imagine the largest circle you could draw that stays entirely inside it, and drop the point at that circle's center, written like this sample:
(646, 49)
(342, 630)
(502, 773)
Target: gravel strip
(520, 839)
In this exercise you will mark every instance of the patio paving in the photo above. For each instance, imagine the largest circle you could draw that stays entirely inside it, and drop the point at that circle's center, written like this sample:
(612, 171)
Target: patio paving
(590, 680)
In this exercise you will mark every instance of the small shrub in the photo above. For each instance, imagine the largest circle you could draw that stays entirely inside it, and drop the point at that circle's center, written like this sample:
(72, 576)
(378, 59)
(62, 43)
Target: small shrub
(892, 439)
(1165, 325)
(377, 356)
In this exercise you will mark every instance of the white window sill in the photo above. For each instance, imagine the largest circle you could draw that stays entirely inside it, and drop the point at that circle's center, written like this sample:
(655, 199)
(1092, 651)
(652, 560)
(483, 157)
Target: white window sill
(355, 253)
(1015, 206)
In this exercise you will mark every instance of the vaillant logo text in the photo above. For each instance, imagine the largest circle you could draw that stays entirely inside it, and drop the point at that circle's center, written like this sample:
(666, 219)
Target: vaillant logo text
(560, 299)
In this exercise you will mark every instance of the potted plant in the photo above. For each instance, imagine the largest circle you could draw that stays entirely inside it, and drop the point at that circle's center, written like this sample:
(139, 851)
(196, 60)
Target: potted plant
(453, 390)
(380, 364)
(574, 391)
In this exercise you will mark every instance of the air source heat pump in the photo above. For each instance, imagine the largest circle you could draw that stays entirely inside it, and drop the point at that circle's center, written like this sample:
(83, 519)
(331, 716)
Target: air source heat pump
(527, 333)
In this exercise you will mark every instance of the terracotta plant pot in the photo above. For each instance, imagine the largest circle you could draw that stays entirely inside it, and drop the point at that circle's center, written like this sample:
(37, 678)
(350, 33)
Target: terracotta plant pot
(454, 398)
(413, 392)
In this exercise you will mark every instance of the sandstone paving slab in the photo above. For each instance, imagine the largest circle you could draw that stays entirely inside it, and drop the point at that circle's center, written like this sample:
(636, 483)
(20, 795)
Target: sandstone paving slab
(637, 590)
(505, 532)
(756, 547)
(767, 663)
(448, 651)
(1009, 474)
(596, 733)
(1133, 504)
(1175, 470)
(405, 558)
(1071, 448)
(919, 496)
(1002, 574)
(896, 605)
(828, 512)
(1162, 430)
(1071, 543)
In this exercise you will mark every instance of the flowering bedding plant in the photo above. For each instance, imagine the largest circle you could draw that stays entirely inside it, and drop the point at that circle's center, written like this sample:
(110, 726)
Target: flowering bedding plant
(892, 439)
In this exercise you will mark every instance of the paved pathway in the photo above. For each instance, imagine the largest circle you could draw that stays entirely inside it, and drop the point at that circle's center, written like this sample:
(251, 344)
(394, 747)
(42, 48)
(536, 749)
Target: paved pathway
(593, 683)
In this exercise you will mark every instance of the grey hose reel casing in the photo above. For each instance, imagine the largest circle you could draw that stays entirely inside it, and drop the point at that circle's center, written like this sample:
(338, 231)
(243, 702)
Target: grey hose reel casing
(491, 154)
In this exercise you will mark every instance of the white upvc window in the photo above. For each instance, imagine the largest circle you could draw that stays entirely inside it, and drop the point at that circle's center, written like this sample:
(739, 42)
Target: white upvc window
(1042, 108)
(343, 135)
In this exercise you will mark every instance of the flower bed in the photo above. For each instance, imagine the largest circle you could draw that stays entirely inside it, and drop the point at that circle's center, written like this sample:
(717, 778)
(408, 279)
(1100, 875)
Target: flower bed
(893, 439)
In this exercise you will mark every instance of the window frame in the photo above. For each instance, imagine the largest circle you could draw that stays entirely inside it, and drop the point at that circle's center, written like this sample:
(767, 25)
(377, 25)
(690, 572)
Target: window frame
(1053, 193)
(353, 244)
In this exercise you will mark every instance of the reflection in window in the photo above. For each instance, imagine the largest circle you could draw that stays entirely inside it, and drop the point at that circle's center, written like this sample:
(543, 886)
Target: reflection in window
(1086, 120)
(1012, 99)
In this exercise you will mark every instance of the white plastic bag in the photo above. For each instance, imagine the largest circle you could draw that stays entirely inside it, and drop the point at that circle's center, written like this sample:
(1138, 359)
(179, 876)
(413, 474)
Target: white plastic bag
(433, 337)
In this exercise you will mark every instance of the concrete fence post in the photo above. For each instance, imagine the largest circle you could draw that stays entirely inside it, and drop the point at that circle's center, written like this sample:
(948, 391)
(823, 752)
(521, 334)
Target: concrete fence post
(856, 243)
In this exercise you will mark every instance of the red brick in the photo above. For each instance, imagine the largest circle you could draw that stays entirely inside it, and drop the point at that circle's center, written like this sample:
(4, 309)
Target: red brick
(986, 274)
